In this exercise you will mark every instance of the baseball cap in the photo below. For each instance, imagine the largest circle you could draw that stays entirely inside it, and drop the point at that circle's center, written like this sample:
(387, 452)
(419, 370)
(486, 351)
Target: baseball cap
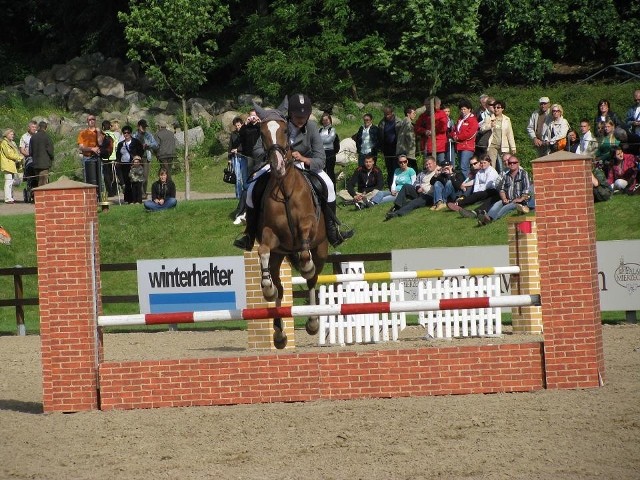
(300, 104)
(445, 163)
(143, 123)
(544, 100)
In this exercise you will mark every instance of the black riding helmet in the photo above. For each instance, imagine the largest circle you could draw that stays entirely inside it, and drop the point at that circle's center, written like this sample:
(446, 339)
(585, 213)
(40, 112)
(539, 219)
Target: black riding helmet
(299, 105)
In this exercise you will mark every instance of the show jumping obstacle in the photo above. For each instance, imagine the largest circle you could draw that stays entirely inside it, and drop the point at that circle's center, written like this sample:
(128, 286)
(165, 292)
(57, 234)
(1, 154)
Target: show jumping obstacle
(568, 354)
(307, 310)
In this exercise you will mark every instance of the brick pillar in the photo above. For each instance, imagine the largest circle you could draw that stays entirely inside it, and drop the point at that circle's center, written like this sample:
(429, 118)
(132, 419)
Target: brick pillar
(568, 271)
(523, 251)
(260, 332)
(69, 293)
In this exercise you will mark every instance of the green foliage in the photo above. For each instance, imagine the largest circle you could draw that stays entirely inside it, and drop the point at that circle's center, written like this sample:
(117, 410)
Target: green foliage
(175, 41)
(524, 64)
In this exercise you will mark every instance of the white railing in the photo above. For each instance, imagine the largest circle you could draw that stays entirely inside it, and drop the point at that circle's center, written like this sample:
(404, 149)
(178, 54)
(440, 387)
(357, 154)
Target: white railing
(367, 328)
(479, 322)
(382, 327)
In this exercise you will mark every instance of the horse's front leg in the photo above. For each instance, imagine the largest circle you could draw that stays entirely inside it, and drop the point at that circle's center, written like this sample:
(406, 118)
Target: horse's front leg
(279, 335)
(269, 290)
(305, 261)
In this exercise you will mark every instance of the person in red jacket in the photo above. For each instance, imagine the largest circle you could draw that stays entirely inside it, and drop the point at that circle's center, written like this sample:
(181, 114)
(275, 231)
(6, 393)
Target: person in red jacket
(423, 130)
(623, 171)
(464, 134)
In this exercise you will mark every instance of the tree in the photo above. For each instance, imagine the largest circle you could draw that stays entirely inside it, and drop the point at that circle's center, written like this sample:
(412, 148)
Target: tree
(435, 42)
(174, 42)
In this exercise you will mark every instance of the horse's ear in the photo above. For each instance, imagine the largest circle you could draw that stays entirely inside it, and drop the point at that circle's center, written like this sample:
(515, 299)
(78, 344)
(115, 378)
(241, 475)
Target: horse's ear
(261, 112)
(284, 106)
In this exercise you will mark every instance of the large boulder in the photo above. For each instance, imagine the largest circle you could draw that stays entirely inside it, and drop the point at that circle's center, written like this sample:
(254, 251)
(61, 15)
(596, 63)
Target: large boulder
(33, 85)
(109, 86)
(195, 136)
(77, 99)
(348, 152)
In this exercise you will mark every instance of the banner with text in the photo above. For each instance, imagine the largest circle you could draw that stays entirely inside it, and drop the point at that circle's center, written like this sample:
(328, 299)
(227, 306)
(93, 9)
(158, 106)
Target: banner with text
(191, 284)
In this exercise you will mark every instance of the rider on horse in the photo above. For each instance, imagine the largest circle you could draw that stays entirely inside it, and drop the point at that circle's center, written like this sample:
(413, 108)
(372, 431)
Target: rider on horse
(308, 153)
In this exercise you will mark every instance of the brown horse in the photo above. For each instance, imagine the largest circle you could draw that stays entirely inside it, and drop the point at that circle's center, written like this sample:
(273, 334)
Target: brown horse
(291, 223)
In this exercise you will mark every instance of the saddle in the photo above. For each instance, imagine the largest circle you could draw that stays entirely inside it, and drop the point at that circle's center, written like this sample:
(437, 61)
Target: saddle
(318, 187)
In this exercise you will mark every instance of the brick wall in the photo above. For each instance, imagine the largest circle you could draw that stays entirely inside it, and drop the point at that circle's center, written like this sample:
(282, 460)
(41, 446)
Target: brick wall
(68, 278)
(291, 377)
(568, 271)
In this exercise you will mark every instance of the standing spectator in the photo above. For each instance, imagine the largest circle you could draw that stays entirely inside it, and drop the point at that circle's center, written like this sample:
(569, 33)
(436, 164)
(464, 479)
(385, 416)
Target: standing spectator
(9, 157)
(388, 127)
(573, 141)
(41, 150)
(331, 144)
(149, 145)
(623, 171)
(107, 150)
(136, 176)
(484, 116)
(163, 193)
(406, 138)
(237, 161)
(24, 145)
(587, 144)
(464, 134)
(88, 146)
(538, 125)
(249, 135)
(501, 139)
(632, 124)
(604, 113)
(367, 139)
(423, 130)
(364, 184)
(128, 148)
(111, 168)
(450, 153)
(166, 151)
(556, 137)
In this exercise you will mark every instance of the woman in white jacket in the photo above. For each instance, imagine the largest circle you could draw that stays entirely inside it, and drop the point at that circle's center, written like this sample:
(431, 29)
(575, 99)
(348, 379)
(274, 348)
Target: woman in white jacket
(501, 140)
(556, 134)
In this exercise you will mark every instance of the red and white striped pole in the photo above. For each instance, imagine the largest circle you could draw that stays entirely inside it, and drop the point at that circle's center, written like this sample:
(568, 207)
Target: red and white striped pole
(313, 310)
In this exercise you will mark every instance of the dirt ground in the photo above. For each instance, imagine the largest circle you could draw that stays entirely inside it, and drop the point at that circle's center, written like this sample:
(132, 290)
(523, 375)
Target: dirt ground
(576, 434)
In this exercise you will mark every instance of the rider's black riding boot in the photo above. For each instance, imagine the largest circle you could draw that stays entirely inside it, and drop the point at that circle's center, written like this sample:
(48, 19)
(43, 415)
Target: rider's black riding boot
(334, 235)
(248, 238)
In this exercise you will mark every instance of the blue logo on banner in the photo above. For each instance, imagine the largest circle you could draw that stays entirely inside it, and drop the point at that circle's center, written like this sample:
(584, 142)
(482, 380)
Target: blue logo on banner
(191, 302)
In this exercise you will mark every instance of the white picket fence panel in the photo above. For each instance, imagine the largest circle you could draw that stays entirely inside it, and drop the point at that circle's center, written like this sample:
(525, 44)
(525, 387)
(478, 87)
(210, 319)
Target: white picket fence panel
(362, 328)
(375, 327)
(479, 322)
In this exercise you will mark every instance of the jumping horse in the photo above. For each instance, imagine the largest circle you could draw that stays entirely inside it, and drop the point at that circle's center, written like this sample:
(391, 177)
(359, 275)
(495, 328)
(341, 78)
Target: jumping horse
(291, 223)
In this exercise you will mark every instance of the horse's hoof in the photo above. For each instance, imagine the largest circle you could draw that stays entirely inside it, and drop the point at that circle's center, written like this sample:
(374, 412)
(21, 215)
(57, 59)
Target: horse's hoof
(308, 273)
(279, 339)
(312, 326)
(270, 293)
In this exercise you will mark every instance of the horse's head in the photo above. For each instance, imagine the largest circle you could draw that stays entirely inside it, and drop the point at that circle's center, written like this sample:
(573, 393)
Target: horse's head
(274, 134)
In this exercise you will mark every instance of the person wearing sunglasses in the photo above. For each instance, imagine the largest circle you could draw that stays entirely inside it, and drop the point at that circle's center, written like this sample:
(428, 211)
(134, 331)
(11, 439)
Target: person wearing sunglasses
(538, 125)
(501, 140)
(128, 148)
(556, 134)
(513, 190)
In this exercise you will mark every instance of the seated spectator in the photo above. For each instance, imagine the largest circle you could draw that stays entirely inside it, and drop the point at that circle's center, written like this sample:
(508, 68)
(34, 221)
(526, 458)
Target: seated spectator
(447, 185)
(513, 189)
(604, 113)
(364, 184)
(556, 134)
(606, 146)
(601, 188)
(419, 194)
(623, 171)
(403, 175)
(484, 186)
(163, 193)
